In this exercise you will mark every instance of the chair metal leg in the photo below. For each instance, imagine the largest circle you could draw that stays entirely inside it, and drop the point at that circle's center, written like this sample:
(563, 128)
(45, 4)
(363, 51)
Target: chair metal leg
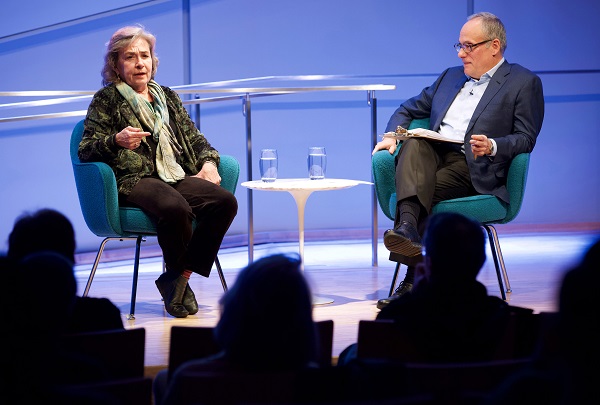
(94, 267)
(394, 279)
(136, 268)
(221, 276)
(400, 259)
(498, 260)
(136, 265)
(96, 262)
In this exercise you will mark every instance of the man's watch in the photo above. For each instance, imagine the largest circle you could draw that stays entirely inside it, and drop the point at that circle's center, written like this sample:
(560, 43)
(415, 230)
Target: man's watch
(492, 148)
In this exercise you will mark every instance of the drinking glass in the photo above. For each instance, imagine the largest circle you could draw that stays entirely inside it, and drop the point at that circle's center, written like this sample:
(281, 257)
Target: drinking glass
(268, 165)
(317, 162)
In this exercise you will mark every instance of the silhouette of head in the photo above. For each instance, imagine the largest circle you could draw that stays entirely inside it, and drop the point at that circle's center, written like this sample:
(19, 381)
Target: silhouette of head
(454, 246)
(266, 317)
(46, 229)
(579, 307)
(52, 283)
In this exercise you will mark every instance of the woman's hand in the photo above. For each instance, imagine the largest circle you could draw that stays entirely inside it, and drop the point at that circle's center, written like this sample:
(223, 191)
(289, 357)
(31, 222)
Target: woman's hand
(130, 137)
(209, 172)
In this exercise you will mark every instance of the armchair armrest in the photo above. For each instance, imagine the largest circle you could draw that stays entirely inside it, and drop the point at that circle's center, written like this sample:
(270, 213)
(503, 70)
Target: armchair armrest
(98, 197)
(383, 167)
(229, 170)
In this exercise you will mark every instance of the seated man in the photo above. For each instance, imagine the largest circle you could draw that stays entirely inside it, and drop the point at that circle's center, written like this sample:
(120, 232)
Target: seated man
(449, 313)
(448, 316)
(254, 336)
(48, 230)
(493, 107)
(568, 346)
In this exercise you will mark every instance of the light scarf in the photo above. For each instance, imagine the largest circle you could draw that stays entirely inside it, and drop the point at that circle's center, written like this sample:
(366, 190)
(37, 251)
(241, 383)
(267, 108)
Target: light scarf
(157, 121)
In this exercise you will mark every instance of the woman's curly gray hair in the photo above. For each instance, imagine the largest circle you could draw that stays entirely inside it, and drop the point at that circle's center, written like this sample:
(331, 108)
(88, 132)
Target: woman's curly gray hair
(121, 39)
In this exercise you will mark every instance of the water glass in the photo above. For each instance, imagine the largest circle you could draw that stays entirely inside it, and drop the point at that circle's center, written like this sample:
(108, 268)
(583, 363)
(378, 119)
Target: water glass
(268, 165)
(317, 162)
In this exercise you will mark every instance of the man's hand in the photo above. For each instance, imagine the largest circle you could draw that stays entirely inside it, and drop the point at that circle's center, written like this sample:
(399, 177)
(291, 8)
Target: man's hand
(130, 137)
(480, 145)
(386, 143)
(209, 172)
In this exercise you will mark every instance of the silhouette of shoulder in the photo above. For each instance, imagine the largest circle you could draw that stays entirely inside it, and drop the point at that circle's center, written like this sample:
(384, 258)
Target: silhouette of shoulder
(95, 314)
(450, 326)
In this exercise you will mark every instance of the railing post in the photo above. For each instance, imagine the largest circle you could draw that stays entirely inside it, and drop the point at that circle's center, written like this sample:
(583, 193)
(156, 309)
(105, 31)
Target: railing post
(197, 112)
(246, 110)
(372, 101)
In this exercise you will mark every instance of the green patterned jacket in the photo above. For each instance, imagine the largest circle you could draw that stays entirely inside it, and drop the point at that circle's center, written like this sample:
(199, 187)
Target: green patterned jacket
(109, 113)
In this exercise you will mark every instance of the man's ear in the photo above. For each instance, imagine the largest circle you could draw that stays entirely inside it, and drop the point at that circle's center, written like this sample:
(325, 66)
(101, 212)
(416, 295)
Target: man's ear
(496, 46)
(422, 271)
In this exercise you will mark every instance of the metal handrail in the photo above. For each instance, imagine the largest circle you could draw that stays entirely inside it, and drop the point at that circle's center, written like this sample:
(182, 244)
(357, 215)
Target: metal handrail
(243, 92)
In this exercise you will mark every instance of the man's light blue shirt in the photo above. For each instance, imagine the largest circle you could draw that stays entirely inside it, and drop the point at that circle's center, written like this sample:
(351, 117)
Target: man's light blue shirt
(455, 122)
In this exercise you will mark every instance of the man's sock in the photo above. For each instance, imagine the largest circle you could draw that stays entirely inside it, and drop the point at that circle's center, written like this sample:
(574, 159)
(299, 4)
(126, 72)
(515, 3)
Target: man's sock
(408, 211)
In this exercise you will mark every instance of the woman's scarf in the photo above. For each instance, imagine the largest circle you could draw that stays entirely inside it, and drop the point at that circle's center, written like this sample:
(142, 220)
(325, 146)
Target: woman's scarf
(156, 121)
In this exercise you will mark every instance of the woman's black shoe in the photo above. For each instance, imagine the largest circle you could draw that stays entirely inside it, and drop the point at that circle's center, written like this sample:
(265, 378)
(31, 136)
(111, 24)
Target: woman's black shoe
(172, 292)
(189, 300)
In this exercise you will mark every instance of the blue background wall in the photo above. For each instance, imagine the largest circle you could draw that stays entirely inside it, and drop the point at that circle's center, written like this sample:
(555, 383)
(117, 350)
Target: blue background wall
(60, 46)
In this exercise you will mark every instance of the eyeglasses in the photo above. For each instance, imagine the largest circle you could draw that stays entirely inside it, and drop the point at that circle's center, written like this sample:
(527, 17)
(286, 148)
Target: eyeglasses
(468, 48)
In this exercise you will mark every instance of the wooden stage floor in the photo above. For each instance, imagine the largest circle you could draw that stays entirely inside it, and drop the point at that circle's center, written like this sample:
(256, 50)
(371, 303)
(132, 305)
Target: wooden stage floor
(340, 271)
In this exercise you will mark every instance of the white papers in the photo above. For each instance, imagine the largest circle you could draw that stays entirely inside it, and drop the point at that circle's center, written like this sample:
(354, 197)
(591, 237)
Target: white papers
(403, 134)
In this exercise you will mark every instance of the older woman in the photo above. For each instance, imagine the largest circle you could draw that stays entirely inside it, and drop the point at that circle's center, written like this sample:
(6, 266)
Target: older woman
(162, 163)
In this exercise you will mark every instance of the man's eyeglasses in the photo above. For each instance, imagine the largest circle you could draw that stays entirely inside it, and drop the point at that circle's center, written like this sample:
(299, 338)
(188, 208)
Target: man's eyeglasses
(468, 48)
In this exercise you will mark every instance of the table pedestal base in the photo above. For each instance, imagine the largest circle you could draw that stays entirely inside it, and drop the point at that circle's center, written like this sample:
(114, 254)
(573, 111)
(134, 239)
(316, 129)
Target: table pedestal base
(317, 300)
(301, 189)
(300, 196)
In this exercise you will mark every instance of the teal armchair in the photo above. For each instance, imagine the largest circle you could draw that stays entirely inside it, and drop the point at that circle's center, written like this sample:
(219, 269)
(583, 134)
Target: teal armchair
(98, 198)
(487, 209)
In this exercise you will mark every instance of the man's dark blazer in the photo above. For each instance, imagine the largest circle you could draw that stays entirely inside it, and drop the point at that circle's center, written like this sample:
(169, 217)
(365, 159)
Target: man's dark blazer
(511, 112)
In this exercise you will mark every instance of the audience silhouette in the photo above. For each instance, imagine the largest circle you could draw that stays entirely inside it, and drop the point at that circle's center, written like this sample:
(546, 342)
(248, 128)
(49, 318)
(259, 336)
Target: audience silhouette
(35, 363)
(257, 334)
(449, 316)
(50, 230)
(564, 369)
(38, 366)
(255, 331)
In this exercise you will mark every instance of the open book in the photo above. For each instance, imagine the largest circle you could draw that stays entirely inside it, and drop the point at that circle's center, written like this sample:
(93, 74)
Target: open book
(403, 134)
